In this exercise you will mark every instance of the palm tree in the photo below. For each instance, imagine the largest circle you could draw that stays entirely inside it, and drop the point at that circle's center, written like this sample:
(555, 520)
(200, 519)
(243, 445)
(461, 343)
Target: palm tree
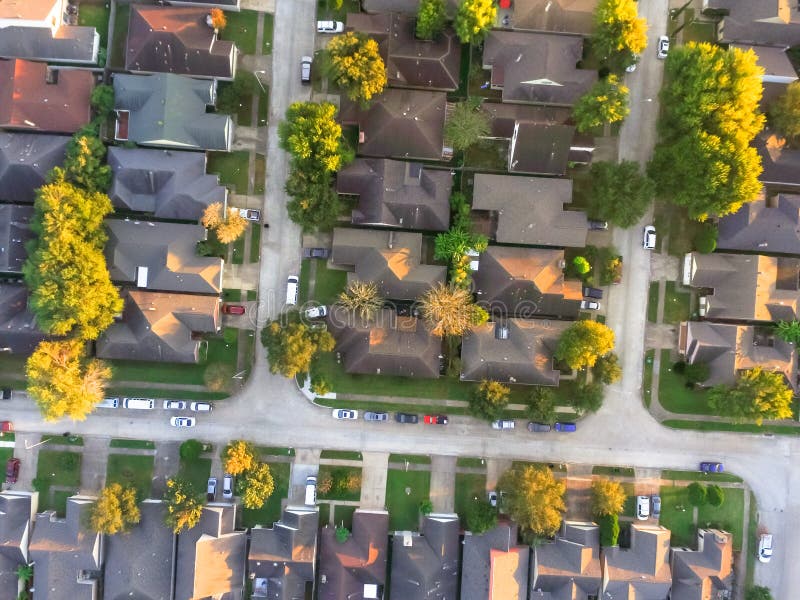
(362, 297)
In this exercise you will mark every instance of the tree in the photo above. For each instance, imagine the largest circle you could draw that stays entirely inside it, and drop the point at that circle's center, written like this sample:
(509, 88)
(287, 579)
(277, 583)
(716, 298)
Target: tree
(620, 193)
(541, 405)
(315, 205)
(607, 369)
(239, 456)
(466, 124)
(191, 450)
(533, 498)
(583, 342)
(473, 20)
(312, 136)
(605, 102)
(426, 507)
(489, 399)
(697, 372)
(356, 66)
(342, 534)
(456, 241)
(63, 381)
(582, 266)
(115, 510)
(232, 94)
(758, 592)
(258, 486)
(320, 385)
(362, 298)
(431, 18)
(588, 397)
(183, 505)
(705, 241)
(609, 530)
(25, 573)
(450, 310)
(84, 163)
(784, 113)
(292, 347)
(618, 31)
(709, 116)
(714, 495)
(756, 395)
(228, 228)
(481, 517)
(218, 20)
(788, 331)
(102, 100)
(697, 494)
(608, 497)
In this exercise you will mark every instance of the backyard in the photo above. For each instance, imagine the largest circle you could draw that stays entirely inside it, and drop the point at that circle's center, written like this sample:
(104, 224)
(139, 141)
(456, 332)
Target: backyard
(58, 476)
(405, 490)
(131, 470)
(232, 168)
(241, 29)
(117, 58)
(93, 15)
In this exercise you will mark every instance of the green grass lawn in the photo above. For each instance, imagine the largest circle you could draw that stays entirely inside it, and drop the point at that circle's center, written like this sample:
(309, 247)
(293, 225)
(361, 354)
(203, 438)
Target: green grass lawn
(70, 440)
(676, 515)
(414, 459)
(629, 508)
(326, 9)
(164, 393)
(232, 167)
(675, 221)
(269, 26)
(728, 517)
(343, 515)
(131, 470)
(404, 507)
(61, 468)
(12, 370)
(197, 472)
(229, 295)
(329, 282)
(305, 281)
(673, 394)
(699, 476)
(271, 511)
(491, 155)
(258, 188)
(324, 514)
(652, 302)
(676, 304)
(5, 454)
(241, 29)
(139, 444)
(252, 295)
(341, 454)
(237, 255)
(117, 58)
(469, 486)
(95, 16)
(337, 472)
(613, 471)
(274, 451)
(466, 461)
(647, 377)
(739, 427)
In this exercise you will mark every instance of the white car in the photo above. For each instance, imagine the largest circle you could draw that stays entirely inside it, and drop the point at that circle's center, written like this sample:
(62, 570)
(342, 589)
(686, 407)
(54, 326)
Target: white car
(649, 238)
(493, 498)
(590, 305)
(305, 69)
(201, 407)
(503, 424)
(663, 46)
(251, 214)
(345, 414)
(182, 421)
(316, 312)
(227, 486)
(765, 547)
(174, 405)
(330, 27)
(643, 507)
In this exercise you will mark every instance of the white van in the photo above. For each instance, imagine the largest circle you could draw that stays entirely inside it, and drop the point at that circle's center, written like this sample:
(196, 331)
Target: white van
(139, 403)
(311, 491)
(291, 289)
(109, 403)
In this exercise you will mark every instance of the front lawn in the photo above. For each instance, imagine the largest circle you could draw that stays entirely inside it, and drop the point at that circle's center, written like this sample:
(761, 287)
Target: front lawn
(269, 26)
(404, 492)
(232, 167)
(131, 470)
(197, 472)
(340, 476)
(138, 444)
(326, 9)
(676, 304)
(271, 511)
(328, 283)
(91, 15)
(699, 476)
(647, 377)
(237, 249)
(652, 302)
(739, 427)
(676, 515)
(673, 394)
(241, 29)
(470, 487)
(57, 468)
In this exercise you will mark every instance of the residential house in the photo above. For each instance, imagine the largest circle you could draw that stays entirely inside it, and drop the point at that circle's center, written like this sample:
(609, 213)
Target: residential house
(569, 566)
(529, 210)
(388, 344)
(730, 349)
(25, 161)
(419, 115)
(281, 560)
(572, 16)
(391, 259)
(17, 510)
(518, 351)
(170, 111)
(35, 97)
(15, 232)
(162, 257)
(706, 572)
(169, 184)
(68, 555)
(494, 566)
(778, 70)
(392, 193)
(641, 571)
(139, 563)
(211, 556)
(425, 564)
(355, 569)
(162, 327)
(525, 282)
(232, 5)
(781, 163)
(169, 39)
(538, 68)
(769, 224)
(745, 287)
(20, 334)
(767, 22)
(411, 62)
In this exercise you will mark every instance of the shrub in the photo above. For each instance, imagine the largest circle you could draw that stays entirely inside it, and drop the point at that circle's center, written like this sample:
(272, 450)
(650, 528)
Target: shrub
(342, 533)
(705, 241)
(190, 450)
(426, 507)
(697, 494)
(582, 266)
(697, 372)
(609, 530)
(714, 495)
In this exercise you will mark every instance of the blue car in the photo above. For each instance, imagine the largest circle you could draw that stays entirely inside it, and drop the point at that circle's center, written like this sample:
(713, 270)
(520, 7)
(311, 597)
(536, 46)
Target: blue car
(711, 467)
(565, 427)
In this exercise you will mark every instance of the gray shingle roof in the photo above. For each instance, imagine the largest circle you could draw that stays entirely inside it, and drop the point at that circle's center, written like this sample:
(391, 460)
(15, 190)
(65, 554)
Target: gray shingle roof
(772, 226)
(70, 44)
(706, 572)
(781, 164)
(768, 22)
(25, 160)
(493, 566)
(574, 16)
(15, 232)
(16, 512)
(643, 570)
(17, 323)
(540, 149)
(569, 566)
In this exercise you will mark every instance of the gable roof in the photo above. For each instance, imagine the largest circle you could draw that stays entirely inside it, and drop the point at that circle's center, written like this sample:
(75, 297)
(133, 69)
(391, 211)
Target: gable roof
(540, 149)
(17, 323)
(68, 44)
(781, 164)
(388, 344)
(28, 101)
(706, 572)
(170, 184)
(574, 16)
(170, 110)
(25, 161)
(167, 39)
(16, 513)
(15, 232)
(642, 571)
(160, 327)
(530, 210)
(768, 22)
(393, 193)
(493, 566)
(537, 67)
(525, 282)
(569, 566)
(765, 226)
(391, 259)
(139, 563)
(161, 256)
(28, 10)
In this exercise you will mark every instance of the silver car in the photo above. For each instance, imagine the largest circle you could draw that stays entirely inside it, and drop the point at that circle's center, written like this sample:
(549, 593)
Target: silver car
(376, 416)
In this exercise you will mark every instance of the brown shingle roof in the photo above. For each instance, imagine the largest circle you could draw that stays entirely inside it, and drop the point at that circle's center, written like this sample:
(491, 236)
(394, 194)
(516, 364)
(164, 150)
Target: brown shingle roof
(574, 16)
(706, 572)
(29, 10)
(643, 570)
(768, 22)
(763, 225)
(780, 162)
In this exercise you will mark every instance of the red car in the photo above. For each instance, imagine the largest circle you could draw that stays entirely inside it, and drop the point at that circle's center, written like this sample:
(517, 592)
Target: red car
(12, 470)
(6, 426)
(233, 309)
(435, 419)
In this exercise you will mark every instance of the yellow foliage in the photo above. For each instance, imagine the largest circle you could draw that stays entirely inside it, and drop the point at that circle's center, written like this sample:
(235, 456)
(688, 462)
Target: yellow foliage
(239, 457)
(115, 510)
(357, 65)
(218, 20)
(212, 215)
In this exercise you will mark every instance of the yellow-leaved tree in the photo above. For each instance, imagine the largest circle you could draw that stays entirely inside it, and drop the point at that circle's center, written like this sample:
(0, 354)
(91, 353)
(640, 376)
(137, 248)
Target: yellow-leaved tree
(115, 510)
(473, 20)
(228, 226)
(533, 498)
(183, 505)
(257, 487)
(239, 456)
(357, 66)
(619, 32)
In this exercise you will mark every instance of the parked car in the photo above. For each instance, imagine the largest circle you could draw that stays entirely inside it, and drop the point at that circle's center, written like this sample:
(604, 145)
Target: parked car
(233, 309)
(643, 507)
(435, 420)
(711, 467)
(376, 416)
(535, 427)
(305, 69)
(649, 238)
(503, 424)
(6, 394)
(590, 305)
(251, 214)
(655, 499)
(590, 292)
(345, 414)
(311, 491)
(12, 470)
(316, 312)
(565, 427)
(630, 68)
(211, 489)
(201, 407)
(182, 421)
(139, 403)
(174, 405)
(598, 225)
(227, 486)
(765, 547)
(703, 306)
(316, 252)
(406, 418)
(492, 496)
(330, 27)
(663, 46)
(292, 288)
(110, 402)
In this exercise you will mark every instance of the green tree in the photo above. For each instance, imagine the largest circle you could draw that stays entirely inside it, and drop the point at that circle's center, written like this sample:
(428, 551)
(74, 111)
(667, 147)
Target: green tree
(258, 486)
(705, 241)
(362, 297)
(312, 136)
(758, 592)
(533, 498)
(541, 405)
(481, 517)
(450, 310)
(714, 495)
(102, 100)
(315, 205)
(697, 372)
(342, 534)
(431, 18)
(756, 395)
(609, 530)
(426, 507)
(697, 494)
(618, 31)
(115, 510)
(607, 369)
(488, 400)
(608, 497)
(356, 65)
(232, 94)
(25, 573)
(467, 123)
(239, 456)
(474, 19)
(84, 163)
(788, 331)
(191, 450)
(605, 102)
(784, 113)
(320, 385)
(582, 266)
(588, 397)
(620, 193)
(583, 342)
(183, 504)
(291, 347)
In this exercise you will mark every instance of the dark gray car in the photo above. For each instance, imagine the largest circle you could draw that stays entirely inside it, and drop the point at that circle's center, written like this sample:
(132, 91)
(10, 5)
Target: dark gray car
(535, 427)
(406, 418)
(590, 292)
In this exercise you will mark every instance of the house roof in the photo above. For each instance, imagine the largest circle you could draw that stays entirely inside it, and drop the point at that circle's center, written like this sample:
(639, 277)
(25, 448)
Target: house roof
(706, 572)
(347, 568)
(393, 193)
(28, 101)
(228, 4)
(493, 566)
(170, 184)
(168, 252)
(282, 558)
(25, 161)
(29, 10)
(67, 554)
(69, 44)
(537, 67)
(781, 164)
(411, 62)
(773, 59)
(765, 226)
(768, 22)
(168, 39)
(530, 210)
(574, 16)
(16, 513)
(418, 114)
(388, 344)
(517, 351)
(170, 110)
(211, 556)
(540, 149)
(425, 565)
(504, 117)
(139, 563)
(391, 259)
(569, 566)
(17, 322)
(642, 571)
(15, 232)
(160, 327)
(525, 282)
